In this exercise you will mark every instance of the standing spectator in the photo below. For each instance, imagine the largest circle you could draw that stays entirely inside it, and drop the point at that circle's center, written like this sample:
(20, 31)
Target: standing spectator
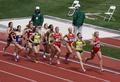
(37, 17)
(78, 19)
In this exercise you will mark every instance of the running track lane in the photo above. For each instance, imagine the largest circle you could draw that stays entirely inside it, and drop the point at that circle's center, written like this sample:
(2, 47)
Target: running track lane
(108, 63)
(32, 70)
(75, 67)
(7, 76)
(111, 41)
(24, 67)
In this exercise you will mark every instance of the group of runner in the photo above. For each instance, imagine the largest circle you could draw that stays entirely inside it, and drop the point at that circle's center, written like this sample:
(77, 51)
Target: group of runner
(32, 38)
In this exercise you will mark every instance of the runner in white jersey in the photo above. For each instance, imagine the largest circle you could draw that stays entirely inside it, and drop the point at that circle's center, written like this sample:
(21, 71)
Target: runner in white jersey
(43, 31)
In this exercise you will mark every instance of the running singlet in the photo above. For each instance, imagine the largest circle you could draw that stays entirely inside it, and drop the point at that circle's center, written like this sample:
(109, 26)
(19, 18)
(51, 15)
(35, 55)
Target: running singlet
(36, 38)
(57, 39)
(96, 46)
(19, 39)
(9, 39)
(70, 38)
(49, 37)
(29, 33)
(78, 44)
(97, 42)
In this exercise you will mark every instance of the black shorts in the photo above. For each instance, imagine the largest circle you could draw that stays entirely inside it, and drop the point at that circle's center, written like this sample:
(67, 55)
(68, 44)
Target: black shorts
(80, 51)
(44, 42)
(36, 44)
(9, 40)
(19, 42)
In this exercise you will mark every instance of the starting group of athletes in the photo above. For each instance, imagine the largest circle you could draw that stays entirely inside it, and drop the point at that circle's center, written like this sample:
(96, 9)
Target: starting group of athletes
(32, 38)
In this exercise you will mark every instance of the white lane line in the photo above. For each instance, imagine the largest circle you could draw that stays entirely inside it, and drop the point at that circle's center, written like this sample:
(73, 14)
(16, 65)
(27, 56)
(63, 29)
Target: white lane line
(111, 71)
(116, 38)
(107, 57)
(24, 67)
(90, 76)
(112, 58)
(18, 76)
(90, 65)
(111, 45)
(85, 51)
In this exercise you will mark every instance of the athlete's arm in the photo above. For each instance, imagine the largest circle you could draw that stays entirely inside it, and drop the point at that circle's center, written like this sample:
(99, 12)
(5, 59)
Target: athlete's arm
(84, 43)
(30, 38)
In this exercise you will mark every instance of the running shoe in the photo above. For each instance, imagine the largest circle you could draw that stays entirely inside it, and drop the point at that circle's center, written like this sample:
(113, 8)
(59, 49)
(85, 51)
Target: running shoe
(58, 62)
(17, 58)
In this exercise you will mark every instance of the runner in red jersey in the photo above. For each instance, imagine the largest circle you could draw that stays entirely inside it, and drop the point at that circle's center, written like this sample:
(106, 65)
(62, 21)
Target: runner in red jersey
(96, 49)
(9, 32)
(28, 31)
(69, 39)
(56, 43)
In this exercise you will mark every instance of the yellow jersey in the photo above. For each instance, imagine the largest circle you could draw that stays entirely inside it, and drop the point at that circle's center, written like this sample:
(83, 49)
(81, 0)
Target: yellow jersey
(37, 38)
(78, 44)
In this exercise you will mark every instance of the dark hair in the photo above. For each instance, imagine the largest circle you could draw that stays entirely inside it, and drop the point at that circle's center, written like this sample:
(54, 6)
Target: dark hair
(95, 33)
(17, 28)
(78, 33)
(28, 25)
(30, 22)
(50, 26)
(45, 24)
(9, 24)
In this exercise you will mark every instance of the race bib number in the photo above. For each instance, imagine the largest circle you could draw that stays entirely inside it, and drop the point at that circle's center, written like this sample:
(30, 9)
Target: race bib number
(57, 40)
(98, 45)
(71, 40)
(79, 47)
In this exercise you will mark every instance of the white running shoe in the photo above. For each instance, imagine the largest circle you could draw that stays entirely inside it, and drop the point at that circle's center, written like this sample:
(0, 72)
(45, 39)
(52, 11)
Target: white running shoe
(50, 61)
(84, 70)
(44, 56)
(14, 54)
(4, 50)
(17, 58)
(101, 70)
(58, 62)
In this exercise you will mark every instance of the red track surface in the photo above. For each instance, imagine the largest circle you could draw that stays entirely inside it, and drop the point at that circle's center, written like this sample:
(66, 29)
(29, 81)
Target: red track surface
(112, 41)
(26, 71)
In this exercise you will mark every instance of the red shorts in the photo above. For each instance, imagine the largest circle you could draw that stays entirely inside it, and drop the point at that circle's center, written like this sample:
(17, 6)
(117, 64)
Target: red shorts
(57, 44)
(69, 43)
(95, 50)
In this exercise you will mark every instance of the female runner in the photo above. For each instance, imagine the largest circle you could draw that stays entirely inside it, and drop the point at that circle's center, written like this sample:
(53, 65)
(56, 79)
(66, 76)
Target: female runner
(57, 41)
(36, 39)
(69, 38)
(9, 33)
(48, 39)
(44, 43)
(18, 43)
(96, 49)
(78, 46)
(29, 31)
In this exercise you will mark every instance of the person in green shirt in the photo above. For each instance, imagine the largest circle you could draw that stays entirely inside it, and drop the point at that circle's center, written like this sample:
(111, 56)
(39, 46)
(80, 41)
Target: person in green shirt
(37, 18)
(78, 19)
